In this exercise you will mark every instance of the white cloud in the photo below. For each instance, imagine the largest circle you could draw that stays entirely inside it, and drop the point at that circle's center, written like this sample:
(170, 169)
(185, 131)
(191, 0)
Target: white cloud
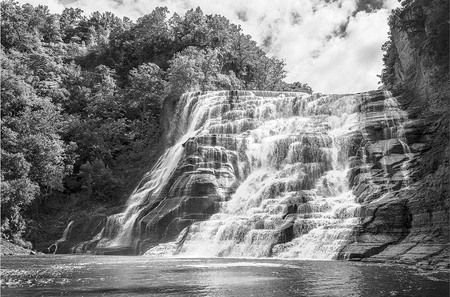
(54, 5)
(345, 65)
(301, 32)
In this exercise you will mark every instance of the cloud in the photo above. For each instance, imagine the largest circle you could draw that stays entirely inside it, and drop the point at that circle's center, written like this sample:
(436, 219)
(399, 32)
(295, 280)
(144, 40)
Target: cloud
(54, 5)
(333, 45)
(350, 64)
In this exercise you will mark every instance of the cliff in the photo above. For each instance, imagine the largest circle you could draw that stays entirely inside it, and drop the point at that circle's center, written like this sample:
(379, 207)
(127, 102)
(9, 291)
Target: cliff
(412, 225)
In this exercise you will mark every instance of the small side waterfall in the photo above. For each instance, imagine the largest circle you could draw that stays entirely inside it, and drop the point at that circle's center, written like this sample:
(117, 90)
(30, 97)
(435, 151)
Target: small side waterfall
(383, 164)
(265, 174)
(54, 247)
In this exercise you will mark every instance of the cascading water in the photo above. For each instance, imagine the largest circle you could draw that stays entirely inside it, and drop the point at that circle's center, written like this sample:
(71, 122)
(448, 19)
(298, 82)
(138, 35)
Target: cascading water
(260, 174)
(122, 230)
(297, 161)
(54, 247)
(386, 157)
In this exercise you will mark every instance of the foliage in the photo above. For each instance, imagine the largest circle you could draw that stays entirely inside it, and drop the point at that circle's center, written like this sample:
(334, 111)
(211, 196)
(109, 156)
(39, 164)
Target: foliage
(98, 181)
(426, 25)
(295, 87)
(34, 157)
(145, 92)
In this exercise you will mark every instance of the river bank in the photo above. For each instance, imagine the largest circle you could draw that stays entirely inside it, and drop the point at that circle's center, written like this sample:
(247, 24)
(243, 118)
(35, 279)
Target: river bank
(8, 248)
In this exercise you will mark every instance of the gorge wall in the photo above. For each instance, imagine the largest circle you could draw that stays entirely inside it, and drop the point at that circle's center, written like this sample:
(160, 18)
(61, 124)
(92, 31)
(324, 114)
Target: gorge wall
(251, 173)
(420, 40)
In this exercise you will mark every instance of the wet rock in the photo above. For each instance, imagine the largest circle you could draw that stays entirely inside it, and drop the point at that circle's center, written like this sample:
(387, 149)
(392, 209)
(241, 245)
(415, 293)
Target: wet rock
(419, 147)
(385, 147)
(287, 232)
(389, 163)
(412, 225)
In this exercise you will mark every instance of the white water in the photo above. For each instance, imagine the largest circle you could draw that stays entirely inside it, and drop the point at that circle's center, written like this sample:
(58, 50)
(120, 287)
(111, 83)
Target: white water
(292, 158)
(54, 247)
(279, 164)
(193, 115)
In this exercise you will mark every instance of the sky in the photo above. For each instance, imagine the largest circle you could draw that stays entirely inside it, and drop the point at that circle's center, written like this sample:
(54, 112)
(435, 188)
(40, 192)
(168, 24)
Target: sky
(333, 45)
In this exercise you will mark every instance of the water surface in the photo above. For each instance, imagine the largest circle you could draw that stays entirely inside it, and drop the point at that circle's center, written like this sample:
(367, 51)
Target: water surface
(75, 275)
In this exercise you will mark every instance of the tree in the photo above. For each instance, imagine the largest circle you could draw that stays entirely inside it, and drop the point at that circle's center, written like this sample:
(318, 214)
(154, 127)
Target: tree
(100, 129)
(152, 36)
(102, 101)
(193, 69)
(295, 87)
(34, 158)
(34, 124)
(17, 190)
(241, 56)
(17, 29)
(98, 181)
(146, 92)
(267, 73)
(69, 21)
(220, 32)
(193, 29)
(185, 73)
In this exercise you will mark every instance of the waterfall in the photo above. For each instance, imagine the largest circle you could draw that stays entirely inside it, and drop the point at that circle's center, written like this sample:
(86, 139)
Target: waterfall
(53, 248)
(265, 174)
(294, 200)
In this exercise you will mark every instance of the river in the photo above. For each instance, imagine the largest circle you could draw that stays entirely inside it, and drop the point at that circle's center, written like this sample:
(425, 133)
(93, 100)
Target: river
(86, 275)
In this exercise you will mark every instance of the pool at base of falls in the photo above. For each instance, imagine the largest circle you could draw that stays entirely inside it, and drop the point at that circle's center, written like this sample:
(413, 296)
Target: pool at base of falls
(85, 275)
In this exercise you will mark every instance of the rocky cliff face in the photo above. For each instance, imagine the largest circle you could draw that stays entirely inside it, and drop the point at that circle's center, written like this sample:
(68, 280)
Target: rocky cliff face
(412, 224)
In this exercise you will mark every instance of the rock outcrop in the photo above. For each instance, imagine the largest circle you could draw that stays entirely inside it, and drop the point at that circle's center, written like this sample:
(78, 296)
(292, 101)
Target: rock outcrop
(411, 224)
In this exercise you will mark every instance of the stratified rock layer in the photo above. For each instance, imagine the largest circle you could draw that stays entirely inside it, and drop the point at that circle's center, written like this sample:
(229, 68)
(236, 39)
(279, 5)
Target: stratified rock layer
(412, 224)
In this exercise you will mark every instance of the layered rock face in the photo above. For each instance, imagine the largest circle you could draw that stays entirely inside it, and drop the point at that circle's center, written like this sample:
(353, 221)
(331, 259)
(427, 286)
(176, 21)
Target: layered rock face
(412, 225)
(405, 201)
